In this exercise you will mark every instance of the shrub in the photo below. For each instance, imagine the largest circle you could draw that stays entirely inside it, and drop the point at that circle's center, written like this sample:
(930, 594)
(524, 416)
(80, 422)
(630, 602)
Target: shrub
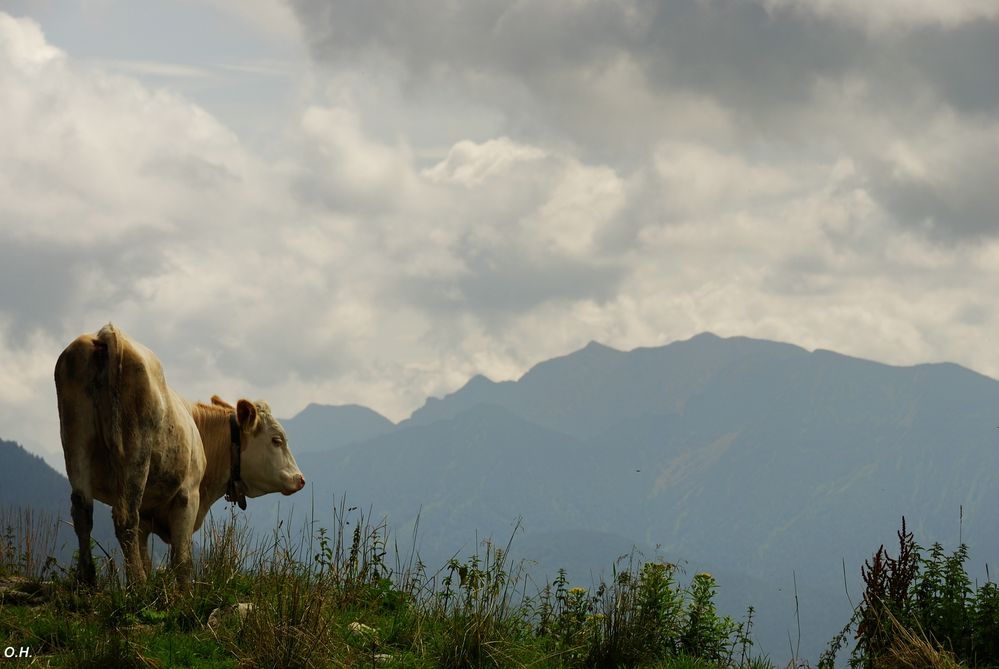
(919, 605)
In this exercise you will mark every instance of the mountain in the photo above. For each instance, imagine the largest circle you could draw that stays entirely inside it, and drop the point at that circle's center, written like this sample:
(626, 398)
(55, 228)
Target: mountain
(28, 483)
(476, 472)
(771, 466)
(321, 427)
(25, 479)
(753, 457)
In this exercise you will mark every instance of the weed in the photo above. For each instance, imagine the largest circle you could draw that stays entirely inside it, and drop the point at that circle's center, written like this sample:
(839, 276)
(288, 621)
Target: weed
(27, 542)
(920, 609)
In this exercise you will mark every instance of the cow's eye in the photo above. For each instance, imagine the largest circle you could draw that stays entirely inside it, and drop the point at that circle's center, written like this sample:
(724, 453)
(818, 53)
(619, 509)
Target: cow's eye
(277, 441)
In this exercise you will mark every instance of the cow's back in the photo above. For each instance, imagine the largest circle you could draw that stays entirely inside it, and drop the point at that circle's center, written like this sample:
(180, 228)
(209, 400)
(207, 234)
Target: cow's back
(115, 409)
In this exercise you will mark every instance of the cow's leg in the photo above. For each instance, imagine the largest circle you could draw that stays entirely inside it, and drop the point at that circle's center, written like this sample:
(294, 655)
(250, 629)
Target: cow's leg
(82, 512)
(81, 500)
(76, 428)
(145, 527)
(183, 512)
(125, 512)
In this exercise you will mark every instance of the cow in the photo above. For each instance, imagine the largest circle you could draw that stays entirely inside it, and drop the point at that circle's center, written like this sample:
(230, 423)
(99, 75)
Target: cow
(158, 460)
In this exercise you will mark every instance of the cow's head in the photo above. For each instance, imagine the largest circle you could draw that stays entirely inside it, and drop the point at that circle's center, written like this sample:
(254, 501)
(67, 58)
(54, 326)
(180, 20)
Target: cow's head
(267, 464)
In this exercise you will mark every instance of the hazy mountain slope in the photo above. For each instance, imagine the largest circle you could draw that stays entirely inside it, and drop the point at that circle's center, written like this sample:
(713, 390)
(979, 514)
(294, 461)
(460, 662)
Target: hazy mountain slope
(596, 387)
(27, 482)
(321, 427)
(476, 472)
(756, 457)
(759, 461)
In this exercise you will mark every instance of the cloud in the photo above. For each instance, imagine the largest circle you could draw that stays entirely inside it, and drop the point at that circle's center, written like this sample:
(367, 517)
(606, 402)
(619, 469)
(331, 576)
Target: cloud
(346, 170)
(881, 16)
(119, 203)
(472, 188)
(614, 80)
(470, 164)
(155, 69)
(317, 276)
(273, 18)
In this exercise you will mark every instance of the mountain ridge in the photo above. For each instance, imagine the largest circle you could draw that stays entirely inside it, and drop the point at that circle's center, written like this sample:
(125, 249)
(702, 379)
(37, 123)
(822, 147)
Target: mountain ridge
(753, 457)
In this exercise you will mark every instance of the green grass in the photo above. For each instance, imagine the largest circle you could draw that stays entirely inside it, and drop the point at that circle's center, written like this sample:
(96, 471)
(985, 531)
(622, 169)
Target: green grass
(332, 599)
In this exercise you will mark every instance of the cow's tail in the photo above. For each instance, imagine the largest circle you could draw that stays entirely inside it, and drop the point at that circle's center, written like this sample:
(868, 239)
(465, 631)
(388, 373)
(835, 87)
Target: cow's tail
(110, 347)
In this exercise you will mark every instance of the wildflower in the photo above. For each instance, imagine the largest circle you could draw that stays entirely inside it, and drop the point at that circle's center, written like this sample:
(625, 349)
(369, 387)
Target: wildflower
(577, 591)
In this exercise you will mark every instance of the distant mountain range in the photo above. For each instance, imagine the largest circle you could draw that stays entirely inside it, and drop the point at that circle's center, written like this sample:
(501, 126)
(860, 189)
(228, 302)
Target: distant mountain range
(27, 482)
(762, 462)
(321, 427)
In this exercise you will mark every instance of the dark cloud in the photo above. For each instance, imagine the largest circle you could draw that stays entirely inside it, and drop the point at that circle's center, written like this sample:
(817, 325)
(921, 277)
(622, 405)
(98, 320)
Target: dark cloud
(612, 79)
(194, 172)
(741, 52)
(50, 286)
(503, 281)
(962, 63)
(957, 199)
(752, 60)
(803, 275)
(494, 35)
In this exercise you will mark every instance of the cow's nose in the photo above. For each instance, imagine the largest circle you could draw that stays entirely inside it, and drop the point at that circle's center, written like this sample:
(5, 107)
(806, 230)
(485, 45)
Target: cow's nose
(300, 482)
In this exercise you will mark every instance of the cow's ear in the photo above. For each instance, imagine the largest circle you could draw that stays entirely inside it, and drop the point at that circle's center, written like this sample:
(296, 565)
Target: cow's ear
(219, 402)
(246, 414)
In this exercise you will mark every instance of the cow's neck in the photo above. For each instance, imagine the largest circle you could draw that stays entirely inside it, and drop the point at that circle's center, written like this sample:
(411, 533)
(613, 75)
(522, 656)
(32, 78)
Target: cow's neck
(213, 424)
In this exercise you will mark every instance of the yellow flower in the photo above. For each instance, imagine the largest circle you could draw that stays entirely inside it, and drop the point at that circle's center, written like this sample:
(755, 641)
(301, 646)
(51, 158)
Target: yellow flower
(577, 591)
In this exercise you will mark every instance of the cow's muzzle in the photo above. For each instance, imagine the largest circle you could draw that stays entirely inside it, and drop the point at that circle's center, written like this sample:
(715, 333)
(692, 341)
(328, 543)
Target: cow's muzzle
(298, 484)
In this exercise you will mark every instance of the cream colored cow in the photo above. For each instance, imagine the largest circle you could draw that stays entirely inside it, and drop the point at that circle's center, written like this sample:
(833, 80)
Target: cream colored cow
(158, 460)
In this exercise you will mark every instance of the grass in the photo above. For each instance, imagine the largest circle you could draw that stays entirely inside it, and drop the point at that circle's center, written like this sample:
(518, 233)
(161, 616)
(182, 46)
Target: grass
(339, 598)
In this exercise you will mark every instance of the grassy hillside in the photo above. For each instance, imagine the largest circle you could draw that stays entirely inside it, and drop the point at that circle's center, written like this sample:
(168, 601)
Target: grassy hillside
(340, 598)
(770, 466)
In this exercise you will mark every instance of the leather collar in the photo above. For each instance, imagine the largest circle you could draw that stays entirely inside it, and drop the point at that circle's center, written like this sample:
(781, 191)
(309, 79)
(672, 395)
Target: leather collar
(235, 490)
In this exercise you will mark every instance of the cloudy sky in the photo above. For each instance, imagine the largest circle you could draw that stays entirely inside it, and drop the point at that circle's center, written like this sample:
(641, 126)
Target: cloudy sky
(370, 201)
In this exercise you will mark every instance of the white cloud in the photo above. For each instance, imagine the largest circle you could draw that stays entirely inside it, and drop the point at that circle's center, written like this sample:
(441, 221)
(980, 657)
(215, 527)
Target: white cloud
(154, 69)
(582, 203)
(694, 178)
(470, 164)
(23, 44)
(450, 209)
(346, 164)
(100, 150)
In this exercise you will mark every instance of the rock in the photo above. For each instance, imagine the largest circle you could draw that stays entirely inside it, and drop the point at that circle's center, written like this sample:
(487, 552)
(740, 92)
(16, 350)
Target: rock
(362, 630)
(21, 590)
(240, 611)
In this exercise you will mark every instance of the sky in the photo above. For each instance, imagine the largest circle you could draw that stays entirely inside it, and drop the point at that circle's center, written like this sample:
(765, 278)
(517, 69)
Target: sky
(370, 201)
